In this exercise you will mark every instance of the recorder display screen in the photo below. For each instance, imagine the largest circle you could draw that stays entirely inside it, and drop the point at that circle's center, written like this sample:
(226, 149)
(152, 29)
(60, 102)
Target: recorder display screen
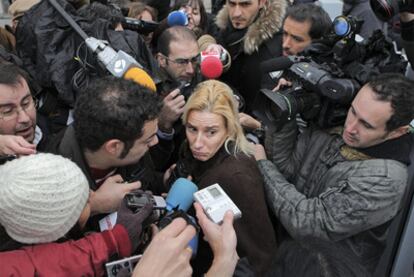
(214, 192)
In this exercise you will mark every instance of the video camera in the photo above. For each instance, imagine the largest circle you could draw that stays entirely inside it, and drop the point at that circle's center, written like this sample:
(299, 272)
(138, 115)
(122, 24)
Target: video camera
(328, 76)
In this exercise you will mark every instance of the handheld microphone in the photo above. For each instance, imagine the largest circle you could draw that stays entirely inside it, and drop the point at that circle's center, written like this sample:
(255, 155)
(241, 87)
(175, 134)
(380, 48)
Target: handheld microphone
(279, 63)
(180, 195)
(177, 18)
(211, 67)
(179, 200)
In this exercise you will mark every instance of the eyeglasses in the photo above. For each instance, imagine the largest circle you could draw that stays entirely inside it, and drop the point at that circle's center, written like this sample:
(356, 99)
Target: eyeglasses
(12, 112)
(183, 62)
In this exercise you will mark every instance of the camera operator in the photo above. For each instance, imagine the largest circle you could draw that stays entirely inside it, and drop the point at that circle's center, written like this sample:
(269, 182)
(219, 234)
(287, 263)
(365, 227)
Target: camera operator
(344, 188)
(303, 24)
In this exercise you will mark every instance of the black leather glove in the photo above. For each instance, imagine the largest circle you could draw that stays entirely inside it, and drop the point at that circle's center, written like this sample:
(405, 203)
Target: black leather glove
(133, 221)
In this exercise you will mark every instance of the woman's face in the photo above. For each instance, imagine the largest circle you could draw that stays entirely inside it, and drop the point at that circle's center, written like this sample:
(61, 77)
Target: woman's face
(206, 133)
(193, 11)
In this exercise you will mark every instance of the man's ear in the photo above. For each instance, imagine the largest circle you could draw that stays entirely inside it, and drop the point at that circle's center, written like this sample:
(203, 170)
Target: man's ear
(262, 3)
(398, 132)
(114, 147)
(161, 60)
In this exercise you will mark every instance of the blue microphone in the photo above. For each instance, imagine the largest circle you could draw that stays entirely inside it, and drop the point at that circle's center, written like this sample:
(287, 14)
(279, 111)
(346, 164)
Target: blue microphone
(177, 18)
(180, 195)
(179, 200)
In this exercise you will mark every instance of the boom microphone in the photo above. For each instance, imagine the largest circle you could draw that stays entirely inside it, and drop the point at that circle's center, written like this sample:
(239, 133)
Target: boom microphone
(177, 18)
(277, 64)
(211, 67)
(119, 63)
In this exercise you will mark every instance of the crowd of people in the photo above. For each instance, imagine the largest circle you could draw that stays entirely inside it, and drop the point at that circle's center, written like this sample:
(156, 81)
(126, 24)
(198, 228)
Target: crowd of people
(74, 141)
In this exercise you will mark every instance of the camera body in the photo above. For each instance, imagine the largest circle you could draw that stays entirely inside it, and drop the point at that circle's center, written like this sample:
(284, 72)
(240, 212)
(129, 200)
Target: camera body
(136, 200)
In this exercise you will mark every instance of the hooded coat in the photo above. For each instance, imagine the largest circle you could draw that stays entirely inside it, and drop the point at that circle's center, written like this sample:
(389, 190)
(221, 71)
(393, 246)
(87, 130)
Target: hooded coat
(260, 41)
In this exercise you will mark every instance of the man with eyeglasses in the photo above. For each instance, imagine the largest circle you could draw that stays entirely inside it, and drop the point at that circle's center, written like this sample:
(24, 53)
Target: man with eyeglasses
(19, 134)
(178, 57)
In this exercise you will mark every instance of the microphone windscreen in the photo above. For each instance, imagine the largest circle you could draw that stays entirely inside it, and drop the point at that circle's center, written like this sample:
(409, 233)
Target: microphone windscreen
(177, 18)
(140, 77)
(181, 195)
(211, 67)
(276, 64)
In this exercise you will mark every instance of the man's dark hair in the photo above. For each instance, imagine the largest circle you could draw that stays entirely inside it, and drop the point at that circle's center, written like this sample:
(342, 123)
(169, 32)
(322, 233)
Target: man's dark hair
(11, 74)
(321, 23)
(398, 90)
(309, 257)
(176, 33)
(113, 108)
(98, 10)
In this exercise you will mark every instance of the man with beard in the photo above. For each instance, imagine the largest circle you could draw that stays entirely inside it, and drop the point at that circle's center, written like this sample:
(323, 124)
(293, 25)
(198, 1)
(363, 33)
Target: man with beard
(178, 57)
(303, 24)
(250, 31)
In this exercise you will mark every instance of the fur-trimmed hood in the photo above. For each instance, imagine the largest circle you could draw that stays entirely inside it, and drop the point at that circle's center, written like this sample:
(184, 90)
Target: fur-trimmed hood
(269, 22)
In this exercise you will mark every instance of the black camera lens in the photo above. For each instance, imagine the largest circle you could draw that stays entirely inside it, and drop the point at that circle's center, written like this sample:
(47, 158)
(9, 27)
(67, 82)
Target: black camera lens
(384, 9)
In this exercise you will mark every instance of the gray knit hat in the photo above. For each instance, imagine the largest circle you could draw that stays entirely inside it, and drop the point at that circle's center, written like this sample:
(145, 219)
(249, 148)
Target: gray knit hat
(41, 197)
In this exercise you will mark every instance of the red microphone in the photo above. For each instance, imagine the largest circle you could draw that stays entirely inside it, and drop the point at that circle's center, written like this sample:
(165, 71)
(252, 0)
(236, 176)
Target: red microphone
(211, 67)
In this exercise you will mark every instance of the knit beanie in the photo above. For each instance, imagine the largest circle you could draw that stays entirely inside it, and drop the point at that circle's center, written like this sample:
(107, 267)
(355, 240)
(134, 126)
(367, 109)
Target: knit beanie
(41, 197)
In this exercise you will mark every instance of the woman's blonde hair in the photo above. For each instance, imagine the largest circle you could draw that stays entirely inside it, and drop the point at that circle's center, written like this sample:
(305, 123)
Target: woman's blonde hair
(218, 98)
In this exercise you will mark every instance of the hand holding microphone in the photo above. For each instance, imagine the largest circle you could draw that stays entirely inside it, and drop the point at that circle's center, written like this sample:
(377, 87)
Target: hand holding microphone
(212, 68)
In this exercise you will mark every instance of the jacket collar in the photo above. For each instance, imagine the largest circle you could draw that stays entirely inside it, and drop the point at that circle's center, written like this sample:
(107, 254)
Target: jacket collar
(268, 23)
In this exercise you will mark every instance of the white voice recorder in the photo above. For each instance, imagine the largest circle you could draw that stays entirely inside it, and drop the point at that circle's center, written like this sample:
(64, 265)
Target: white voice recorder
(216, 202)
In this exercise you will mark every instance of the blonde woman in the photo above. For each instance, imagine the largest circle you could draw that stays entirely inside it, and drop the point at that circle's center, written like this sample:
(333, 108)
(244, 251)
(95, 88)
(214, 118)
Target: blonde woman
(216, 151)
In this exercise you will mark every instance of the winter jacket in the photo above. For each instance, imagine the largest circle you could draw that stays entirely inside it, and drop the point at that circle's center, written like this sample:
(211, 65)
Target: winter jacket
(84, 257)
(317, 186)
(262, 41)
(241, 180)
